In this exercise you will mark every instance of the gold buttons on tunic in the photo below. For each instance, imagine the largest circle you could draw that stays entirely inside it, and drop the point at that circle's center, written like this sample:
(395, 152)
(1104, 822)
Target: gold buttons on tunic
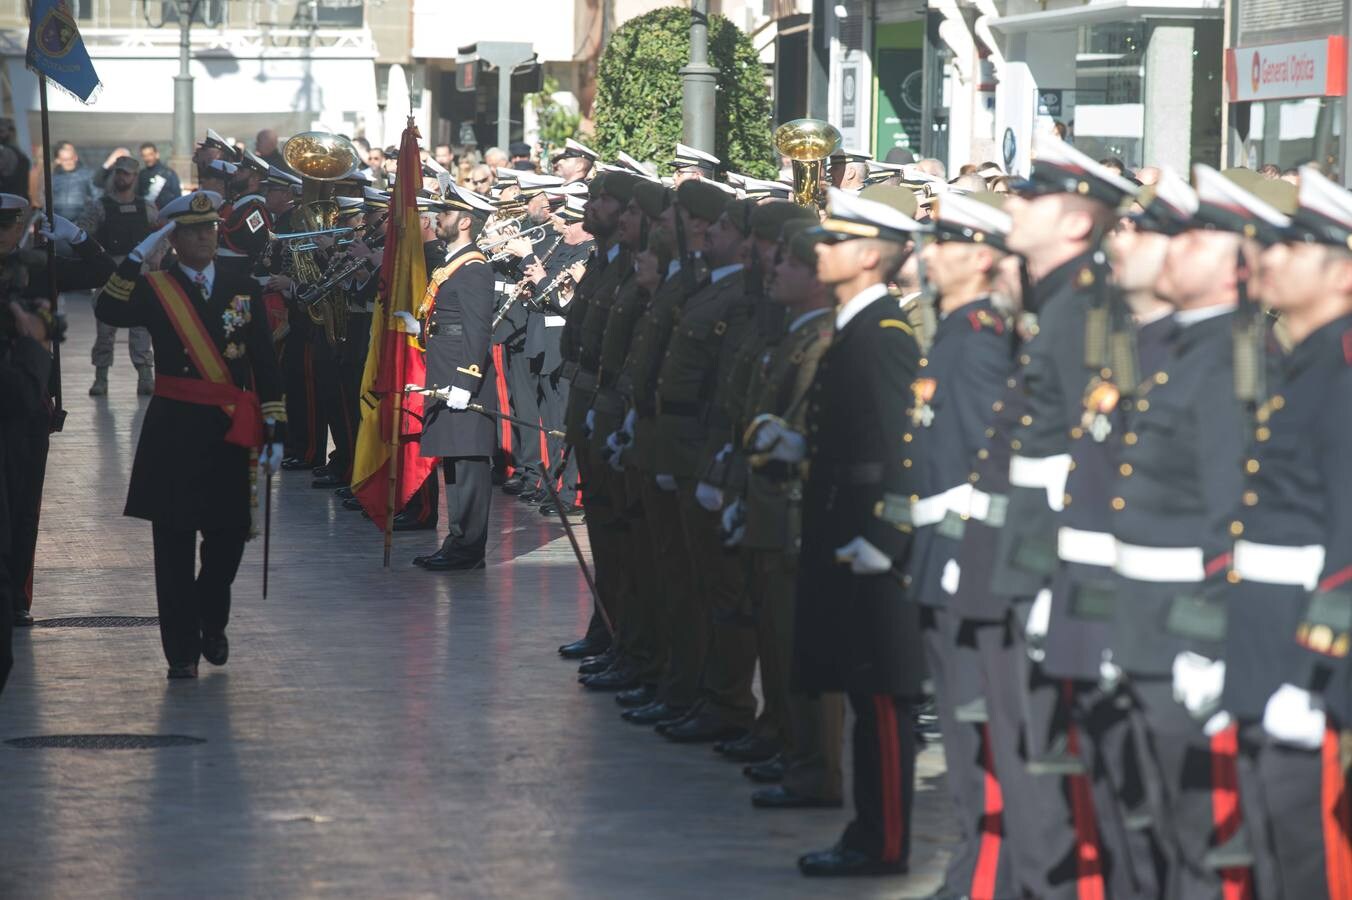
(1125, 469)
(983, 453)
(1236, 528)
(1026, 420)
(1233, 577)
(1129, 438)
(1076, 433)
(1119, 503)
(1251, 466)
(1250, 498)
(1161, 378)
(1263, 433)
(906, 437)
(1142, 405)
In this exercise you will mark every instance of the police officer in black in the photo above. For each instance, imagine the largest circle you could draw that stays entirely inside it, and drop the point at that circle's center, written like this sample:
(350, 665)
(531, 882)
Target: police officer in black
(854, 629)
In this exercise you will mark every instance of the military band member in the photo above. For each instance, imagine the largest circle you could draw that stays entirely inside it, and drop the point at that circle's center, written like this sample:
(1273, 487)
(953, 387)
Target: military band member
(690, 164)
(218, 398)
(575, 162)
(854, 630)
(460, 363)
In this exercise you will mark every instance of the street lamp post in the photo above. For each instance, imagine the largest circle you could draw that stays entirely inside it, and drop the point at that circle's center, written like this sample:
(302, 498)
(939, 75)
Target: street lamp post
(699, 82)
(185, 129)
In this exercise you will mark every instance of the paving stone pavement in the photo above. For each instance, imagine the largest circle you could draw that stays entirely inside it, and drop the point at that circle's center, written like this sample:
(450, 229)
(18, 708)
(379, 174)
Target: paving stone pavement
(377, 733)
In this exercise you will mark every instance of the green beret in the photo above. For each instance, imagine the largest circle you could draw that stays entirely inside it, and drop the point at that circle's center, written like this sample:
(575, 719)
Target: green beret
(768, 219)
(597, 185)
(702, 200)
(620, 185)
(1282, 196)
(739, 214)
(652, 197)
(902, 199)
(803, 246)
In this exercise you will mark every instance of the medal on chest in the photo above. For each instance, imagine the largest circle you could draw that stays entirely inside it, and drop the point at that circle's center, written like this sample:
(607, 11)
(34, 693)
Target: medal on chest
(1100, 399)
(922, 414)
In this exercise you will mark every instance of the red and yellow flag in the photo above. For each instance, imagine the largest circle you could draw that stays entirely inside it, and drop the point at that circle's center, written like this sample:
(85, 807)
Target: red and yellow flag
(395, 359)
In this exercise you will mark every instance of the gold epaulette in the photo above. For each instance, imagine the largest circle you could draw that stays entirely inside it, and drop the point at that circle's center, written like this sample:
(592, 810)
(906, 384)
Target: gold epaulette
(275, 410)
(119, 288)
(896, 323)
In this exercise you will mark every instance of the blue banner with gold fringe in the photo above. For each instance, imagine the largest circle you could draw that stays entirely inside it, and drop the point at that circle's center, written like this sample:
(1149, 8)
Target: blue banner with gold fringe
(56, 50)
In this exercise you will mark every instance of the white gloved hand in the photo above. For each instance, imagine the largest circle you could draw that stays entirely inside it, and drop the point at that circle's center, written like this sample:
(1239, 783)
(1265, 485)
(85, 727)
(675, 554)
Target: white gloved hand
(63, 229)
(951, 577)
(454, 397)
(1217, 723)
(666, 482)
(629, 419)
(1039, 617)
(618, 442)
(1296, 717)
(724, 453)
(152, 242)
(1198, 683)
(411, 325)
(270, 457)
(783, 444)
(864, 558)
(734, 523)
(591, 422)
(709, 497)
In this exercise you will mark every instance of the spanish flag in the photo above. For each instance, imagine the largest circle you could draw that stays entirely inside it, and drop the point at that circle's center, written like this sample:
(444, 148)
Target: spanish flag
(388, 418)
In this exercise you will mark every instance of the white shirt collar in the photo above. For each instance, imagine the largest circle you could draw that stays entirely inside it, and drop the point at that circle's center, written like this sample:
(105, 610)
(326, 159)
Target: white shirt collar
(209, 273)
(855, 304)
(807, 317)
(612, 253)
(1188, 317)
(722, 272)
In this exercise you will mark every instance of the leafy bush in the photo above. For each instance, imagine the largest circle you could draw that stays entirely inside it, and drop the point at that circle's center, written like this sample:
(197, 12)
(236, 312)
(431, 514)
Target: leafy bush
(638, 92)
(558, 123)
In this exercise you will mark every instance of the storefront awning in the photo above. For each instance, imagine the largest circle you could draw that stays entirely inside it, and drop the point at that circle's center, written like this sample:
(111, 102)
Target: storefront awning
(1108, 11)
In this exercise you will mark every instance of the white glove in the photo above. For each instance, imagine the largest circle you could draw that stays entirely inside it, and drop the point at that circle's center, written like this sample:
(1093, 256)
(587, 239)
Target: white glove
(864, 558)
(734, 523)
(618, 442)
(454, 397)
(1296, 717)
(723, 454)
(147, 247)
(591, 421)
(951, 577)
(783, 444)
(270, 457)
(709, 497)
(411, 325)
(63, 230)
(1198, 683)
(1217, 723)
(1039, 617)
(666, 482)
(629, 419)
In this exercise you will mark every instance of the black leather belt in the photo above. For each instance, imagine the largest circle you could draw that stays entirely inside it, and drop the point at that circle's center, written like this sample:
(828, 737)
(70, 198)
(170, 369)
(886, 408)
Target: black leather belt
(435, 328)
(666, 408)
(850, 473)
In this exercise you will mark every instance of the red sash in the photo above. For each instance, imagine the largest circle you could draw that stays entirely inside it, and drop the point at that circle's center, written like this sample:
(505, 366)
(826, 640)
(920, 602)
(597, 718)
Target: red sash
(215, 387)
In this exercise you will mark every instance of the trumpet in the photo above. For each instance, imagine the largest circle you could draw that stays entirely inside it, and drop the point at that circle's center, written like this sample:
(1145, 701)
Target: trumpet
(486, 246)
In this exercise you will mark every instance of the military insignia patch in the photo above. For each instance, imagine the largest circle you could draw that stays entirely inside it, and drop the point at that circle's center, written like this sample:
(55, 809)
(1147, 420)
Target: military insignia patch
(1100, 399)
(200, 203)
(254, 221)
(922, 414)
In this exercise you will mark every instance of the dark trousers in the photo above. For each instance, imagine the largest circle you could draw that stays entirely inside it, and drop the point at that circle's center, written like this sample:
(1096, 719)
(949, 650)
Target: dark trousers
(673, 569)
(27, 441)
(979, 866)
(553, 408)
(884, 777)
(422, 506)
(6, 625)
(193, 601)
(307, 433)
(338, 407)
(469, 497)
(523, 387)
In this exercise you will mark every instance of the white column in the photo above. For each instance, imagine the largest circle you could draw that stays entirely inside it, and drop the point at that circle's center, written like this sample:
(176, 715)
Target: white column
(1168, 89)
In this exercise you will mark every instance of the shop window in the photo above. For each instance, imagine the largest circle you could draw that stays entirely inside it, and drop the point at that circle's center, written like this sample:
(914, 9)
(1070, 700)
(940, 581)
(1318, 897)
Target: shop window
(1291, 133)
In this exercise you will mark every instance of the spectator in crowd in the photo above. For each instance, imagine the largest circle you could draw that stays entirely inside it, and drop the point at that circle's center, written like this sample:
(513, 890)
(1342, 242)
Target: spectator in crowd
(106, 170)
(363, 150)
(899, 155)
(1062, 132)
(1270, 171)
(444, 157)
(969, 181)
(1291, 175)
(1115, 165)
(36, 189)
(265, 145)
(519, 152)
(1148, 175)
(480, 179)
(157, 184)
(390, 160)
(14, 165)
(933, 167)
(73, 185)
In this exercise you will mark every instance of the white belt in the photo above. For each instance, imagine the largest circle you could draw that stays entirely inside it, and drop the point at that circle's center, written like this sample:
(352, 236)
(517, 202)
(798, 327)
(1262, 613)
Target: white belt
(1275, 564)
(980, 506)
(1088, 548)
(1163, 564)
(555, 321)
(1046, 472)
(931, 510)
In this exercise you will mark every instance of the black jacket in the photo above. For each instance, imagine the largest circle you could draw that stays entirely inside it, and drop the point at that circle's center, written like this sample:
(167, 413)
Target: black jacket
(459, 354)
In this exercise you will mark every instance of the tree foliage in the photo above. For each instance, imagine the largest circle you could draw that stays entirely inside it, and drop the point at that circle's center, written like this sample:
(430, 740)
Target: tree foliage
(638, 92)
(558, 123)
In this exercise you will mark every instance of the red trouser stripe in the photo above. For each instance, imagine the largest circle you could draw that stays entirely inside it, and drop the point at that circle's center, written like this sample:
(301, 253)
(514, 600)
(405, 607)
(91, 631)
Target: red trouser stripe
(1337, 809)
(889, 760)
(992, 827)
(1088, 862)
(503, 401)
(1235, 883)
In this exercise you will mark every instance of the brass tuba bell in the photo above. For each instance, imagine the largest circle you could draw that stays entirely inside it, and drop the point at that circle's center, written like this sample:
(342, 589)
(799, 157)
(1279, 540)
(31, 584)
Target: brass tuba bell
(807, 143)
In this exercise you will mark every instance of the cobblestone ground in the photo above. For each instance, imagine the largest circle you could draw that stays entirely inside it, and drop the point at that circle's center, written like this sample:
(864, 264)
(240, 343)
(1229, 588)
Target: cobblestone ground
(377, 733)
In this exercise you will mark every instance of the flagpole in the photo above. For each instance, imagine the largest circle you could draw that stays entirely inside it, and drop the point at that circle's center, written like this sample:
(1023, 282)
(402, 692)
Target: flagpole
(58, 410)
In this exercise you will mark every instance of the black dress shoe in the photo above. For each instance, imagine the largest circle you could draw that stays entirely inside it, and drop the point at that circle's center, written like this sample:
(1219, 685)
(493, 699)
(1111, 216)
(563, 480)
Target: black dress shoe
(750, 749)
(344, 492)
(177, 672)
(690, 712)
(424, 560)
(654, 712)
(584, 647)
(515, 485)
(594, 665)
(352, 503)
(781, 797)
(535, 497)
(618, 678)
(405, 522)
(215, 648)
(454, 564)
(569, 509)
(704, 728)
(328, 481)
(841, 860)
(637, 696)
(319, 471)
(23, 618)
(769, 772)
(292, 463)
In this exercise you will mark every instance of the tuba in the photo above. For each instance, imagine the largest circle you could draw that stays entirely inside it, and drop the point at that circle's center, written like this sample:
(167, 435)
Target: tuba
(807, 143)
(320, 159)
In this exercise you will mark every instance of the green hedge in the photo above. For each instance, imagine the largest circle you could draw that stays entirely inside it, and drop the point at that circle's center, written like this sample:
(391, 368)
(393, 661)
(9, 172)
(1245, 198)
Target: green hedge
(638, 92)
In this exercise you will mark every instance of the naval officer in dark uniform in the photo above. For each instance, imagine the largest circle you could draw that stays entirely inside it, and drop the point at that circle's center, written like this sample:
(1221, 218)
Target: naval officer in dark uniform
(218, 398)
(460, 364)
